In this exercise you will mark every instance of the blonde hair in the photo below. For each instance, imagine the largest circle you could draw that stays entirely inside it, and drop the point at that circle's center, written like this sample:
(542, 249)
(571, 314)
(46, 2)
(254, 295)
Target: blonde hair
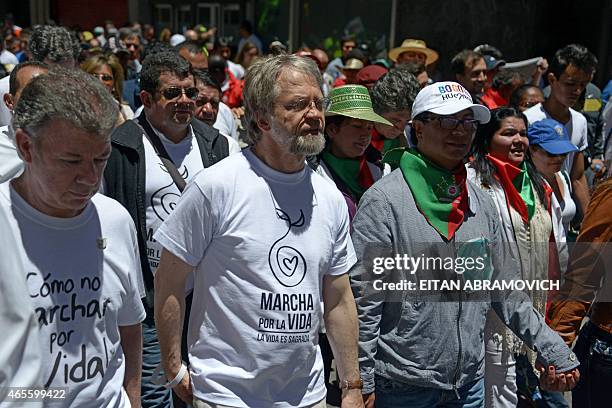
(92, 64)
(164, 35)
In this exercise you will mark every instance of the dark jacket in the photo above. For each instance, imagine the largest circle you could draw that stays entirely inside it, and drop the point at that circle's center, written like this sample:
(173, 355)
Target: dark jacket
(125, 177)
(587, 289)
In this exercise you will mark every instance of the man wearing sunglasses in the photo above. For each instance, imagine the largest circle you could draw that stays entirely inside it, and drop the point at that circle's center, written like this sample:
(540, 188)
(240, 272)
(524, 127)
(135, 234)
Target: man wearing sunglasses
(420, 346)
(152, 158)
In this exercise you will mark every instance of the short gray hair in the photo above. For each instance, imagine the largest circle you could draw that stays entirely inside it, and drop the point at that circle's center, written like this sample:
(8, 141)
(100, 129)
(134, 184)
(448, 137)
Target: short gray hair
(394, 91)
(66, 94)
(261, 89)
(54, 43)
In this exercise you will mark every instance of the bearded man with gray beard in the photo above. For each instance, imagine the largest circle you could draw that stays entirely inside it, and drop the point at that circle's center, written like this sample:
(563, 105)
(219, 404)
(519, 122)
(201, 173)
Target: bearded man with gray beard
(268, 239)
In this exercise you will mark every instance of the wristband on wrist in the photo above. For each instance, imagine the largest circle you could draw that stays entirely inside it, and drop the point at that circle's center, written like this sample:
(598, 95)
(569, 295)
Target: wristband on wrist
(351, 385)
(179, 377)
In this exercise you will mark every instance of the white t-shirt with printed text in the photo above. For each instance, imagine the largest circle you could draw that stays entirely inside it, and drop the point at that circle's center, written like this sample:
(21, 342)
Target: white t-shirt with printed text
(84, 280)
(161, 193)
(261, 242)
(20, 358)
(576, 129)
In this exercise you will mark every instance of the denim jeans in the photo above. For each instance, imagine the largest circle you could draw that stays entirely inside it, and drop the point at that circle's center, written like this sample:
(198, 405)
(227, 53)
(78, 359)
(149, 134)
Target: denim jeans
(391, 394)
(594, 351)
(152, 395)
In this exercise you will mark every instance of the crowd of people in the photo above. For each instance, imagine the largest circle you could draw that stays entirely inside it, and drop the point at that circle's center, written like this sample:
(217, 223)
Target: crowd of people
(294, 230)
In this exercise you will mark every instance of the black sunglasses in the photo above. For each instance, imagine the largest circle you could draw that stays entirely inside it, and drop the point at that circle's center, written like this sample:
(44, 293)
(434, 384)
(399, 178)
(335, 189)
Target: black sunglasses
(175, 92)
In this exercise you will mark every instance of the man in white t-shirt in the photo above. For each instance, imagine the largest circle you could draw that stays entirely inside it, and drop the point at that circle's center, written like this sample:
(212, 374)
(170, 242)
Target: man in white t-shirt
(79, 248)
(20, 359)
(269, 241)
(10, 162)
(570, 71)
(137, 177)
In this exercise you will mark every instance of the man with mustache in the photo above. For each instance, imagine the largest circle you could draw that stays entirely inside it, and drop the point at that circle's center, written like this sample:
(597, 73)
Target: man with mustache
(269, 241)
(420, 346)
(571, 69)
(152, 158)
(210, 109)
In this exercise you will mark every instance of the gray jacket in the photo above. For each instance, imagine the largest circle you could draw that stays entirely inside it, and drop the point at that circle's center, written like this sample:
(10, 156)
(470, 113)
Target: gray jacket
(436, 339)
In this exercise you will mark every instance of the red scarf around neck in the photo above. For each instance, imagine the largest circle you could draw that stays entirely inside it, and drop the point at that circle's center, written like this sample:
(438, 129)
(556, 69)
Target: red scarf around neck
(506, 172)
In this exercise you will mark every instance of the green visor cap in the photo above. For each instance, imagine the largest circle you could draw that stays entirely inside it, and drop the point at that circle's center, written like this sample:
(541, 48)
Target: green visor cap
(353, 101)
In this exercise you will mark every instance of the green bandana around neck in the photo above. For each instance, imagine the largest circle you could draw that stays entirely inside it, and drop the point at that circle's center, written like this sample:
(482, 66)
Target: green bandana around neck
(522, 183)
(350, 172)
(517, 184)
(439, 194)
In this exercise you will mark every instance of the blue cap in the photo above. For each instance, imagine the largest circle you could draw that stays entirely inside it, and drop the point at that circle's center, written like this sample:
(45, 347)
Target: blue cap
(551, 136)
(493, 62)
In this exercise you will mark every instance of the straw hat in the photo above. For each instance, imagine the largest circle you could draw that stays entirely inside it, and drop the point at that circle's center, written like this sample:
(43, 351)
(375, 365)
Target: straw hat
(410, 44)
(353, 101)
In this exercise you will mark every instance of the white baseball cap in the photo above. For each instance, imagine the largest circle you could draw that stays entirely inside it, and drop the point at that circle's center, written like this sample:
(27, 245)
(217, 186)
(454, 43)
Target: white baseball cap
(176, 39)
(448, 98)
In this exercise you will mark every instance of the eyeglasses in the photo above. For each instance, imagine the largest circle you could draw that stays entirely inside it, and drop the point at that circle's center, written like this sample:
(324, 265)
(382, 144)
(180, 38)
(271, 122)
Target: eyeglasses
(449, 123)
(214, 102)
(104, 77)
(176, 92)
(321, 104)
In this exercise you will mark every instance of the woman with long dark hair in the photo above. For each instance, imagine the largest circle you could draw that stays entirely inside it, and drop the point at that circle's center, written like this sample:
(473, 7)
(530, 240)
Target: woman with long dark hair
(503, 167)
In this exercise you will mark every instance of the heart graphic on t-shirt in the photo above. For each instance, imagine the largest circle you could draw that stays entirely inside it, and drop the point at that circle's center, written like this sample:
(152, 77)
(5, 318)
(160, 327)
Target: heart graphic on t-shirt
(165, 199)
(290, 265)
